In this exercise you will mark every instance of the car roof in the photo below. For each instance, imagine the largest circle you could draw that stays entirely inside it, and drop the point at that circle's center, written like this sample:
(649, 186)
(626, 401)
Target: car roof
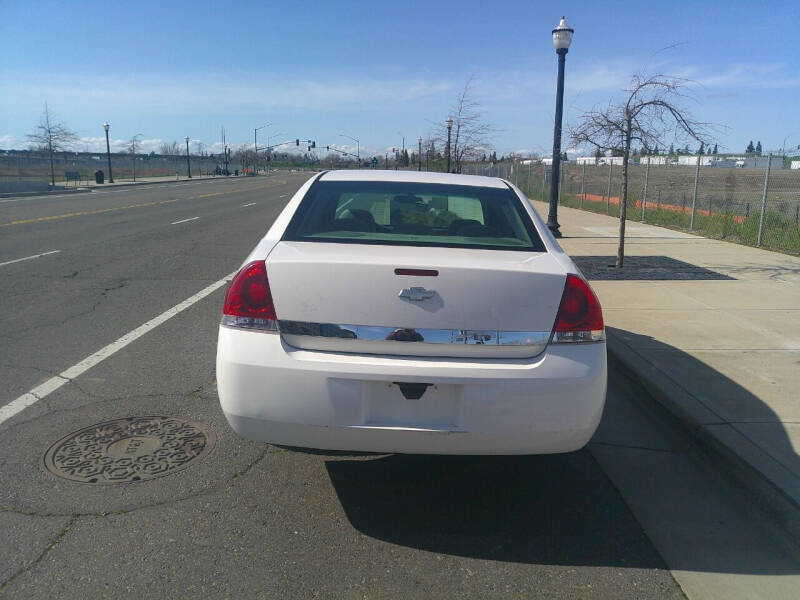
(413, 177)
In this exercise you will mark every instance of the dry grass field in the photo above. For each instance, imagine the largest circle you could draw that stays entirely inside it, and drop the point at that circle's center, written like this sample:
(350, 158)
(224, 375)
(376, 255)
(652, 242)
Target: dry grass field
(728, 200)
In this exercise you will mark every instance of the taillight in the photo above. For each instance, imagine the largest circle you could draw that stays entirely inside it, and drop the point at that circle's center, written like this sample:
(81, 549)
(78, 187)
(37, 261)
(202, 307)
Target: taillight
(248, 301)
(579, 318)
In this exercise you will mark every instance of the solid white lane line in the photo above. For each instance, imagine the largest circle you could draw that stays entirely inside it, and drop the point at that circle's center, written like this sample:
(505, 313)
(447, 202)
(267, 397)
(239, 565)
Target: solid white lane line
(185, 221)
(51, 385)
(246, 205)
(10, 262)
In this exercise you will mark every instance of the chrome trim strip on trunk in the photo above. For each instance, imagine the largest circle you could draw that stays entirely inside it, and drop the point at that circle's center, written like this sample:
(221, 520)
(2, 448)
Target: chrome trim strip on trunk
(422, 342)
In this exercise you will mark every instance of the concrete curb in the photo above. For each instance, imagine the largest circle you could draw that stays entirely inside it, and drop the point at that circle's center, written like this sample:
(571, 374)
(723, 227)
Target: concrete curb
(44, 193)
(86, 189)
(769, 484)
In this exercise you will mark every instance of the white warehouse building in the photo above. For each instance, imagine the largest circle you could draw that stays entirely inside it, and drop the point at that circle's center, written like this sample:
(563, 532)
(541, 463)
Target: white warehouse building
(691, 159)
(654, 160)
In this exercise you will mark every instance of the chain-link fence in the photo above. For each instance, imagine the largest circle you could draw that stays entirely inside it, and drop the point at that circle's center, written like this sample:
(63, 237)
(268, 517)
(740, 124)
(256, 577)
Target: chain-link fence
(32, 166)
(758, 207)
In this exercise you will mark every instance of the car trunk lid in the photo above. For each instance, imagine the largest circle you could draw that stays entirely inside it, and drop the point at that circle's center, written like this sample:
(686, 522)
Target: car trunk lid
(471, 302)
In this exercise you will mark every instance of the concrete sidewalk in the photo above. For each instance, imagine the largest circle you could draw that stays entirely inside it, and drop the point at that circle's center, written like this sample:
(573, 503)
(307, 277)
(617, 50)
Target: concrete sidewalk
(713, 331)
(142, 181)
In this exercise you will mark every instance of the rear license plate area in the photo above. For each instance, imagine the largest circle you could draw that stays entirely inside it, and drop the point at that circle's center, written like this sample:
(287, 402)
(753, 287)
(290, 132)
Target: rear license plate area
(386, 405)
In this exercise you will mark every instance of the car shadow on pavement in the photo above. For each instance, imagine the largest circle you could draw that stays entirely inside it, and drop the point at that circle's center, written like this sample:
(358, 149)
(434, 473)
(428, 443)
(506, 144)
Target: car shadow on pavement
(723, 411)
(548, 509)
(558, 509)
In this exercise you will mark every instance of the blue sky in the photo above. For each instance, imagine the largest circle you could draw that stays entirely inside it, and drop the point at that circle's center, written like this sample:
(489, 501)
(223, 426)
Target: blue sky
(382, 70)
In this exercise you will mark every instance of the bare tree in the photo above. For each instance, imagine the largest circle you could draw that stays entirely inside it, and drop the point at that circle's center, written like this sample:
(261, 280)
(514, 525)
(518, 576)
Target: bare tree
(470, 134)
(169, 149)
(52, 136)
(132, 150)
(246, 156)
(649, 113)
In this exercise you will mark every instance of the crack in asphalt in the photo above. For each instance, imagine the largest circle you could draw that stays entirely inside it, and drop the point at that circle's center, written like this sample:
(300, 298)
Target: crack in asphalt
(91, 309)
(636, 447)
(194, 393)
(199, 391)
(199, 493)
(58, 537)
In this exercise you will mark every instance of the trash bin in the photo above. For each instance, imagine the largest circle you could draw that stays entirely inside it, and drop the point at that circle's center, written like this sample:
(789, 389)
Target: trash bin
(99, 177)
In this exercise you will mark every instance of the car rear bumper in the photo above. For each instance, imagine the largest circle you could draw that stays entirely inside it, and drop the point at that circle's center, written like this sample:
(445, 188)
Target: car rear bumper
(274, 393)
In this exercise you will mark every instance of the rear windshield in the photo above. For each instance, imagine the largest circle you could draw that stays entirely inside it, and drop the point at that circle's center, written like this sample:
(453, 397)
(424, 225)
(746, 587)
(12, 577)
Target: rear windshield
(413, 214)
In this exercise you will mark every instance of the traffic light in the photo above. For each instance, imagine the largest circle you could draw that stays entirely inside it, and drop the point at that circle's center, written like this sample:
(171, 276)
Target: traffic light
(297, 142)
(328, 148)
(313, 144)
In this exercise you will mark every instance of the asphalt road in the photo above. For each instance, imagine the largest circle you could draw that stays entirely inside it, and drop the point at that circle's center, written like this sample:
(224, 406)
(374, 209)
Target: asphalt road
(252, 520)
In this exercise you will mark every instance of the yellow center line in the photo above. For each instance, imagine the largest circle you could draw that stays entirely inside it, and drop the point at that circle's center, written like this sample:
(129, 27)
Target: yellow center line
(86, 212)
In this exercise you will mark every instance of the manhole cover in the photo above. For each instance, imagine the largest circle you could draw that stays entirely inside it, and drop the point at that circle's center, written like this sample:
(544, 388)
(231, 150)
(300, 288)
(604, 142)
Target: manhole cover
(130, 449)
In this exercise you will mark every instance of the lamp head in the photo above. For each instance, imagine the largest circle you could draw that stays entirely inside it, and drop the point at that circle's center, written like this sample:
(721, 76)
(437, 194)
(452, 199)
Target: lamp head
(105, 126)
(562, 35)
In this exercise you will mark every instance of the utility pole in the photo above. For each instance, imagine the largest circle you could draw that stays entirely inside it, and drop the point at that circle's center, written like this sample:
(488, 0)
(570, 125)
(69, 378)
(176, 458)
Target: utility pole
(224, 151)
(255, 146)
(419, 154)
(694, 195)
(449, 129)
(108, 154)
(188, 165)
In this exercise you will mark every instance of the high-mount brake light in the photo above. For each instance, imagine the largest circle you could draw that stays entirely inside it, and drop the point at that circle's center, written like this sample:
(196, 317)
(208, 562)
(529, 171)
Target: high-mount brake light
(248, 301)
(579, 318)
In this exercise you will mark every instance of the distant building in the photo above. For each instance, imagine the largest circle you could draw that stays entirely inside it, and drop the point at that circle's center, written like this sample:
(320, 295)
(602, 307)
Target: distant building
(795, 164)
(724, 163)
(586, 160)
(654, 160)
(760, 162)
(611, 160)
(547, 161)
(691, 159)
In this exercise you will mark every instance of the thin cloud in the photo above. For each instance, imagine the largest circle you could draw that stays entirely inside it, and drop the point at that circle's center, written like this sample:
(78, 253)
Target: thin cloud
(213, 93)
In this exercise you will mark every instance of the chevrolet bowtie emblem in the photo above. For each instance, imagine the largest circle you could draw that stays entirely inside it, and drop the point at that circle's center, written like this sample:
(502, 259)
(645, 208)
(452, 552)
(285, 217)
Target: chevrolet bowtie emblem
(416, 294)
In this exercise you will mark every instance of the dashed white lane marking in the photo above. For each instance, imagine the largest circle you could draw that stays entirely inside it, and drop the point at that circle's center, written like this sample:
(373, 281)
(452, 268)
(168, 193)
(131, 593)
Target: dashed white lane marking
(51, 385)
(246, 205)
(184, 221)
(283, 195)
(11, 262)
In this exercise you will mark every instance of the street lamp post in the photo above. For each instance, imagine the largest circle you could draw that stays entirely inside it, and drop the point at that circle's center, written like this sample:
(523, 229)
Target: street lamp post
(255, 143)
(358, 146)
(269, 148)
(562, 37)
(188, 166)
(447, 151)
(108, 154)
(419, 154)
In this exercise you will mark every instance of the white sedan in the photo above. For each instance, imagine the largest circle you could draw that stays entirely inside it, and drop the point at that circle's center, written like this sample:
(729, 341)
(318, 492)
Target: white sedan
(397, 311)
